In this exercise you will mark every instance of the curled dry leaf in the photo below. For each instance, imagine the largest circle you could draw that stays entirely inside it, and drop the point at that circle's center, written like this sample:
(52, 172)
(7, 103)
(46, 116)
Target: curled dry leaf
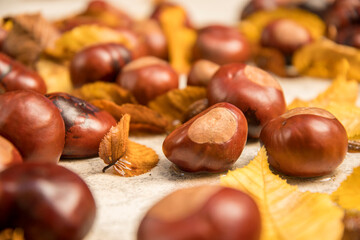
(253, 25)
(175, 103)
(352, 225)
(30, 34)
(104, 90)
(181, 39)
(354, 146)
(339, 99)
(270, 59)
(128, 158)
(55, 75)
(286, 212)
(114, 145)
(12, 234)
(320, 59)
(348, 194)
(83, 36)
(196, 108)
(142, 117)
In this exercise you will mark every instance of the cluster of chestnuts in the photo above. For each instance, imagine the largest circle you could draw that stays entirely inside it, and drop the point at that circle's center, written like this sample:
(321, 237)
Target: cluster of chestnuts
(243, 102)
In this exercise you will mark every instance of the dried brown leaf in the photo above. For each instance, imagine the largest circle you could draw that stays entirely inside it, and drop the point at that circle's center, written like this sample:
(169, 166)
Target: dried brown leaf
(142, 117)
(270, 59)
(114, 144)
(104, 90)
(138, 159)
(175, 103)
(30, 34)
(12, 234)
(352, 225)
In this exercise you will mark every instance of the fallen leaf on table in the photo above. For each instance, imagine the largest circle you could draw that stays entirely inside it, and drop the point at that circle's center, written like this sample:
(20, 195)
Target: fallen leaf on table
(142, 117)
(29, 35)
(83, 36)
(286, 212)
(181, 38)
(270, 59)
(128, 158)
(104, 90)
(319, 59)
(55, 75)
(339, 99)
(175, 103)
(348, 194)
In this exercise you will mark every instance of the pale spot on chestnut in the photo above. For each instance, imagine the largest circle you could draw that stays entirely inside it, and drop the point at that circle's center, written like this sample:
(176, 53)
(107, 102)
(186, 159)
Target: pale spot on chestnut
(199, 194)
(298, 35)
(201, 72)
(308, 110)
(143, 62)
(216, 126)
(261, 77)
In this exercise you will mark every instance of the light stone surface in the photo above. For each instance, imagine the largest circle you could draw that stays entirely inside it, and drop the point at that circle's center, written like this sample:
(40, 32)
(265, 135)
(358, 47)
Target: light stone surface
(122, 202)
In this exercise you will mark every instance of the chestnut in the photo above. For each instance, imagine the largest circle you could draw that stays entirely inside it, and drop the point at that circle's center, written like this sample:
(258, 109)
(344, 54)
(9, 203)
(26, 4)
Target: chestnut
(9, 155)
(305, 142)
(154, 38)
(135, 41)
(285, 35)
(202, 212)
(33, 124)
(255, 92)
(101, 62)
(349, 35)
(3, 35)
(46, 201)
(211, 141)
(201, 72)
(221, 44)
(148, 77)
(16, 76)
(85, 125)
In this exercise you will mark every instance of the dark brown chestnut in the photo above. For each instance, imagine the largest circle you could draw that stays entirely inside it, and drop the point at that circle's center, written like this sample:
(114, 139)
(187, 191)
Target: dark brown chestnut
(101, 62)
(9, 155)
(16, 76)
(47, 201)
(255, 92)
(212, 141)
(3, 35)
(221, 44)
(135, 41)
(202, 213)
(285, 35)
(201, 72)
(154, 38)
(33, 124)
(148, 77)
(349, 35)
(85, 125)
(305, 142)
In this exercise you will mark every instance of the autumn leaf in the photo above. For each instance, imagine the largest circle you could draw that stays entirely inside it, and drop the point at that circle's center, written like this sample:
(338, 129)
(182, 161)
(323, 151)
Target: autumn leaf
(352, 225)
(128, 158)
(83, 36)
(30, 34)
(348, 194)
(12, 234)
(181, 38)
(114, 144)
(55, 75)
(175, 103)
(142, 117)
(104, 90)
(286, 212)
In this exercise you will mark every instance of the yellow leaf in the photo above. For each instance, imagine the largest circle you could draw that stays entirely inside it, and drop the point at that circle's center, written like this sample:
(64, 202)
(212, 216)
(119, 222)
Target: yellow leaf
(320, 58)
(348, 194)
(180, 38)
(55, 75)
(286, 212)
(83, 36)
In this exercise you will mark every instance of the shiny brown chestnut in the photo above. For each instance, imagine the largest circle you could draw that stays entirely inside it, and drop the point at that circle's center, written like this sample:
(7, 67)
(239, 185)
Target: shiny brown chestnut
(349, 35)
(285, 35)
(16, 76)
(255, 92)
(46, 201)
(305, 142)
(85, 125)
(33, 124)
(202, 212)
(148, 77)
(9, 155)
(135, 41)
(212, 141)
(154, 38)
(101, 62)
(201, 72)
(221, 44)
